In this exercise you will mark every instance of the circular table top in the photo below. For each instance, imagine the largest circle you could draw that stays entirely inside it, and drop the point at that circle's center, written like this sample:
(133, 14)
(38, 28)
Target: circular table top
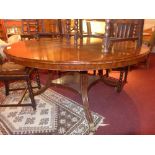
(60, 54)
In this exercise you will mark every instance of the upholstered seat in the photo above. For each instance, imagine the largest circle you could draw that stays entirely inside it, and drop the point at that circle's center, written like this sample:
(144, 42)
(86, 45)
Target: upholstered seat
(11, 66)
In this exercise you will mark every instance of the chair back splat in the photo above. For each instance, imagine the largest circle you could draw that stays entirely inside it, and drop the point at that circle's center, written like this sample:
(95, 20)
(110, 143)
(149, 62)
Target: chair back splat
(123, 30)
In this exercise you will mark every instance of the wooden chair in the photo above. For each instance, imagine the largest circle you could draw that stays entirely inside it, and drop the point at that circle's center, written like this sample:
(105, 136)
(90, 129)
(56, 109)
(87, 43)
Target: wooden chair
(127, 29)
(30, 28)
(55, 28)
(49, 28)
(150, 42)
(121, 30)
(9, 72)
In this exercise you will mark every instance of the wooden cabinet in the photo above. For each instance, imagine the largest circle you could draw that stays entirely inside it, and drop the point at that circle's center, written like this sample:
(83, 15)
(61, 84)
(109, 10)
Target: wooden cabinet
(3, 34)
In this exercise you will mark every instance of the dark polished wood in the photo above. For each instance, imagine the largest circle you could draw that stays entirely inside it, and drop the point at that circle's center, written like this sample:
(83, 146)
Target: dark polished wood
(126, 29)
(30, 28)
(62, 55)
(59, 54)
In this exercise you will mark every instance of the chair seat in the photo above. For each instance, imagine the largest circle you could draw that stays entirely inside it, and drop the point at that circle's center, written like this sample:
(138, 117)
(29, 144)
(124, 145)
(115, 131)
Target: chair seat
(10, 68)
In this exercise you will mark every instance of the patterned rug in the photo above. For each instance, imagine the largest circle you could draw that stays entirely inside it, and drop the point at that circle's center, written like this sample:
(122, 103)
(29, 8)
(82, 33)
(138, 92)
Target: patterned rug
(55, 115)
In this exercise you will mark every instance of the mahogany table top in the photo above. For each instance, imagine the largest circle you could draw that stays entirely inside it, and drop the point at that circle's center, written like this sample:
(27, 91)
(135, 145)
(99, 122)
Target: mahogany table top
(63, 55)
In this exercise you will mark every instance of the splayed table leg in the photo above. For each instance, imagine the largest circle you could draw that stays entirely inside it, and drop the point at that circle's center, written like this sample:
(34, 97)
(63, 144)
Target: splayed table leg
(84, 94)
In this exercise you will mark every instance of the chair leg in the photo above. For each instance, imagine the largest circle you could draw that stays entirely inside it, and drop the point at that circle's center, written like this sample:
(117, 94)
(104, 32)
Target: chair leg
(31, 93)
(107, 72)
(59, 74)
(126, 74)
(38, 78)
(147, 61)
(120, 82)
(100, 72)
(6, 88)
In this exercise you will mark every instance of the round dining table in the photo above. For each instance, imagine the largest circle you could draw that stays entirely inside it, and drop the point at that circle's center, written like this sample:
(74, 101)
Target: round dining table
(60, 54)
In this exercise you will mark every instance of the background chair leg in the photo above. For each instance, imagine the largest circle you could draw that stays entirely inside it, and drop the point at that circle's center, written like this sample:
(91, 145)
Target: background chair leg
(120, 82)
(107, 72)
(59, 74)
(31, 94)
(147, 63)
(94, 72)
(6, 87)
(38, 78)
(126, 74)
(100, 72)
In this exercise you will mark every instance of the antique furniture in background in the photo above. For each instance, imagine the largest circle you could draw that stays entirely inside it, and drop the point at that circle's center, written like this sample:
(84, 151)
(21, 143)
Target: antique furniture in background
(30, 28)
(3, 32)
(42, 28)
(13, 27)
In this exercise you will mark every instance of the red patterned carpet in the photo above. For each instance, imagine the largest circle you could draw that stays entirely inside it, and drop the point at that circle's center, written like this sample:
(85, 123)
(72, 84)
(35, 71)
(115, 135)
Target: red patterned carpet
(130, 112)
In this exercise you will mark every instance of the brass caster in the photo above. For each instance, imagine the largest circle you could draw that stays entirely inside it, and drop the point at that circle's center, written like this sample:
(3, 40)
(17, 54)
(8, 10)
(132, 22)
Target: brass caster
(92, 128)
